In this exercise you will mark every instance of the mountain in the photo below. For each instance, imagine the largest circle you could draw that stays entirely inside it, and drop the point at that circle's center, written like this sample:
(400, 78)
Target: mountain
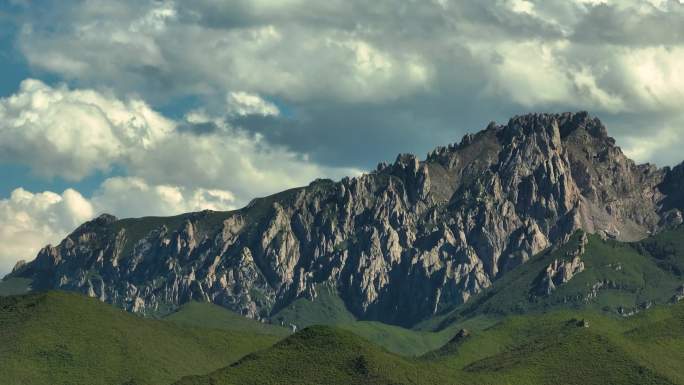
(59, 338)
(555, 348)
(547, 321)
(401, 244)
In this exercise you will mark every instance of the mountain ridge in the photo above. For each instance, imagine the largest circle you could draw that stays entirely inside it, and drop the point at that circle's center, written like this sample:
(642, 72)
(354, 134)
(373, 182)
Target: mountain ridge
(400, 244)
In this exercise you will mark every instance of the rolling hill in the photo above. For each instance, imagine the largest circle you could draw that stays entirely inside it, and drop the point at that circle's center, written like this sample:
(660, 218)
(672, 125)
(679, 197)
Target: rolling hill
(65, 338)
(617, 278)
(583, 347)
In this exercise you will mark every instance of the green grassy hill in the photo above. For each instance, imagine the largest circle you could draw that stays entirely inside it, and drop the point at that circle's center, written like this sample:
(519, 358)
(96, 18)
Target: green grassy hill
(317, 355)
(565, 347)
(208, 315)
(393, 338)
(329, 309)
(326, 309)
(62, 338)
(619, 279)
(557, 348)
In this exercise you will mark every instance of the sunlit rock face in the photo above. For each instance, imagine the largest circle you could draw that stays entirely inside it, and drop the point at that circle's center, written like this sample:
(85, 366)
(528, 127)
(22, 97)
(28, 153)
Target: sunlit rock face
(399, 244)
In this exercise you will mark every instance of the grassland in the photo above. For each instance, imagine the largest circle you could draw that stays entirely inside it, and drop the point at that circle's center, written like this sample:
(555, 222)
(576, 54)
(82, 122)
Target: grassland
(63, 338)
(327, 309)
(619, 278)
(210, 316)
(553, 348)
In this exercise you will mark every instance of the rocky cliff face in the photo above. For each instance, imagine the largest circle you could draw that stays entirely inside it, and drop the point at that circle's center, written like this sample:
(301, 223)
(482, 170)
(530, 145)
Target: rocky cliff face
(399, 243)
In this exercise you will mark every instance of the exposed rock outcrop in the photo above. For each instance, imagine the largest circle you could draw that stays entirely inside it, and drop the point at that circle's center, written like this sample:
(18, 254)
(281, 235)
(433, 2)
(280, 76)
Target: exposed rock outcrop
(679, 294)
(399, 243)
(560, 272)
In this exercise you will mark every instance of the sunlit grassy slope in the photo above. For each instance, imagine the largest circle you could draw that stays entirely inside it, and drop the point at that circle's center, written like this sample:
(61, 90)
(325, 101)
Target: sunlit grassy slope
(63, 338)
(625, 277)
(393, 338)
(553, 348)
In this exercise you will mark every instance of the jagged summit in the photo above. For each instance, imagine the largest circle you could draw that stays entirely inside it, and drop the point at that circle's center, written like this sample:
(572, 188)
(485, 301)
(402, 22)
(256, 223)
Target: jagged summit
(567, 123)
(398, 244)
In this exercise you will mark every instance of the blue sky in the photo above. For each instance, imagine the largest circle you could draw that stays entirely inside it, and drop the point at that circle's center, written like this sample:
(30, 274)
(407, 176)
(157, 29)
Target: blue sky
(159, 107)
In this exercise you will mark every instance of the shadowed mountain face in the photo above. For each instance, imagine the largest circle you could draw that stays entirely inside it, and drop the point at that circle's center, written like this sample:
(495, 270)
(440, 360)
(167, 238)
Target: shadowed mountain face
(399, 244)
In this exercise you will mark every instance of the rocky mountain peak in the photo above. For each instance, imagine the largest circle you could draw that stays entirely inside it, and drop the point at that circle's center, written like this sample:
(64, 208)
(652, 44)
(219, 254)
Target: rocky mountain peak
(100, 222)
(399, 244)
(537, 130)
(565, 123)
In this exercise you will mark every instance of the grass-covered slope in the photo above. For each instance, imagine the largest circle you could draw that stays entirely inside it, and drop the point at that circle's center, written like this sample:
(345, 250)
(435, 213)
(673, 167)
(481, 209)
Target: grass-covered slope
(329, 309)
(618, 278)
(62, 338)
(405, 342)
(326, 309)
(317, 355)
(565, 347)
(557, 348)
(208, 315)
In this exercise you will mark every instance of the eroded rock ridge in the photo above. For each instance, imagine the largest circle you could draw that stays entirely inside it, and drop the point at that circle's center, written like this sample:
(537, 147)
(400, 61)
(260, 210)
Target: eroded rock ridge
(398, 244)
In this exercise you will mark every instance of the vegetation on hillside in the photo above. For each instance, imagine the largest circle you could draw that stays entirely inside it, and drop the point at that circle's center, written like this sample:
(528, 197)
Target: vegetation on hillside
(564, 347)
(63, 338)
(621, 279)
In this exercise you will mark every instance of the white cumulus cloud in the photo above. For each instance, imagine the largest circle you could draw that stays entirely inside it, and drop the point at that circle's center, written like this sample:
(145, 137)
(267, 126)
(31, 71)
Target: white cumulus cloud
(72, 133)
(133, 197)
(244, 103)
(228, 159)
(395, 69)
(28, 221)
